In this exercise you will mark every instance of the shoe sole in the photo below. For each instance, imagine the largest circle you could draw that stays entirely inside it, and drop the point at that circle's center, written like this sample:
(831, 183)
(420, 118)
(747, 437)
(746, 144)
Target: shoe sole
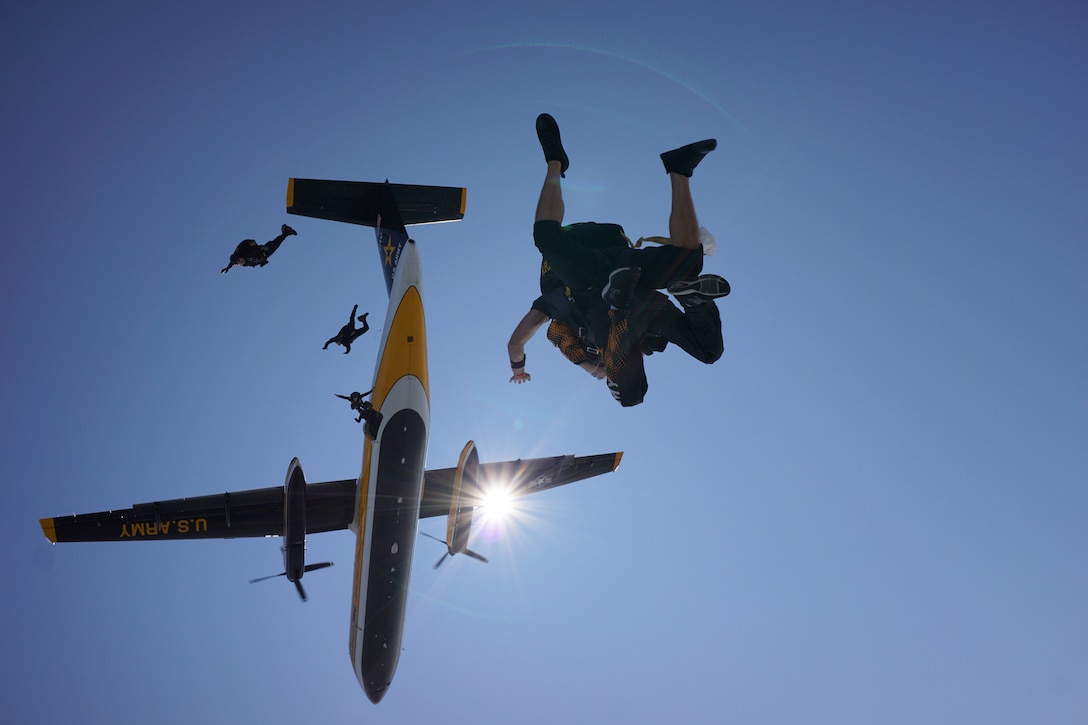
(709, 286)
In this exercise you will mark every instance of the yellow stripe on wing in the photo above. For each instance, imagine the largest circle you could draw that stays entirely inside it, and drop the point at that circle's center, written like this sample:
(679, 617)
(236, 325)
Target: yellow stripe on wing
(49, 528)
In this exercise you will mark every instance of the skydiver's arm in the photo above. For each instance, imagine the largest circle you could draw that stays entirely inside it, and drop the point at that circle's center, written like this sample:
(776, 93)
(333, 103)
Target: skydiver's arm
(227, 268)
(515, 348)
(529, 325)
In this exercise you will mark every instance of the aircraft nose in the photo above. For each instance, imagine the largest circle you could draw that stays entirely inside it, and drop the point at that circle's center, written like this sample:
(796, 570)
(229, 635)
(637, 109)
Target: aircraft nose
(375, 693)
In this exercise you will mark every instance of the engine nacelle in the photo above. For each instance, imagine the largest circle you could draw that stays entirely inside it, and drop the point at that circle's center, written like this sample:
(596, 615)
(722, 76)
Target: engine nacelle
(294, 530)
(294, 522)
(464, 499)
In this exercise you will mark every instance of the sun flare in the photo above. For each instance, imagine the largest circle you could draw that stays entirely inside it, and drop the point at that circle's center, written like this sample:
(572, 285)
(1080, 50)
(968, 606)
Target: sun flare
(497, 504)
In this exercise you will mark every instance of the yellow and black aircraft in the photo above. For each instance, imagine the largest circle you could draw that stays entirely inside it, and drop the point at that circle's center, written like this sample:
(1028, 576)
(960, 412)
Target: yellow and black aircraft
(384, 504)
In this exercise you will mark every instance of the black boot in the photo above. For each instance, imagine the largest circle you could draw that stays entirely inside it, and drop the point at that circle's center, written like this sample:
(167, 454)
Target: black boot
(547, 130)
(684, 159)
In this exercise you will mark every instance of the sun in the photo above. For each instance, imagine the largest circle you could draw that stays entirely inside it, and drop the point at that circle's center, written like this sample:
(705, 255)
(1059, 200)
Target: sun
(497, 505)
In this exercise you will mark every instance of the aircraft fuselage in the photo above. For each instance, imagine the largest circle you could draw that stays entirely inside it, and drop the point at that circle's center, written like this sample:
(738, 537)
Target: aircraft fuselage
(391, 484)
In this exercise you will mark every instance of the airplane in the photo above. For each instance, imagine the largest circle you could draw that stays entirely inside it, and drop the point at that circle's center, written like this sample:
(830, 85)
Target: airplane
(393, 492)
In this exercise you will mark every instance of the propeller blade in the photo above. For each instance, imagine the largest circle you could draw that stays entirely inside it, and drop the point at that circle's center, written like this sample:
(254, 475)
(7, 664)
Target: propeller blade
(298, 584)
(476, 556)
(471, 553)
(440, 541)
(265, 578)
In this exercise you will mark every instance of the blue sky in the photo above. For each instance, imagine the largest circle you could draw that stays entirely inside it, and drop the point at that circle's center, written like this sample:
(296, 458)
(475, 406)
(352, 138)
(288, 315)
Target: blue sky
(872, 509)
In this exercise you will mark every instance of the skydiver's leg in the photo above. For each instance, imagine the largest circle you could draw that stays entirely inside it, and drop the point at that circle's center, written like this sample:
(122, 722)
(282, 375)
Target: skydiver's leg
(697, 330)
(351, 317)
(683, 225)
(577, 266)
(663, 266)
(366, 325)
(680, 164)
(271, 246)
(549, 207)
(683, 258)
(373, 420)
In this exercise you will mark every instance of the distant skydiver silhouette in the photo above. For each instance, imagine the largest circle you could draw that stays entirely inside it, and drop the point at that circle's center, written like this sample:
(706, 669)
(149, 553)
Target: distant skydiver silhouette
(250, 254)
(348, 334)
(608, 284)
(365, 410)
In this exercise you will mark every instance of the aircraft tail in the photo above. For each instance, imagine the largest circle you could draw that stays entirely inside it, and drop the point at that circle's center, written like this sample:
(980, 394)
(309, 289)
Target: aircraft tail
(389, 208)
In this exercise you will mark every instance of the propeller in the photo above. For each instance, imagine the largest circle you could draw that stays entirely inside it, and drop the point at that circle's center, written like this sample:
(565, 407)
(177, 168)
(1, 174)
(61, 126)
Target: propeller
(438, 563)
(298, 582)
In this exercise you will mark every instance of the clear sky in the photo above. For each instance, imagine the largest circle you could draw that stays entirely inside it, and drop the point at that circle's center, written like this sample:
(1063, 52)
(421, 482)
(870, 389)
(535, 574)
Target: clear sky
(871, 510)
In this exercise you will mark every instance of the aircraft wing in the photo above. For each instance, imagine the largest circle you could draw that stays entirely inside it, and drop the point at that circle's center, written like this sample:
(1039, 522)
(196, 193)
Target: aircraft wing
(258, 512)
(522, 477)
(329, 506)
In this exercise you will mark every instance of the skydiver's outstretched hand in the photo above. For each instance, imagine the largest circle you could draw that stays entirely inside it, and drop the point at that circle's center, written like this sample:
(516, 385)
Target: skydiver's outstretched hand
(226, 269)
(518, 368)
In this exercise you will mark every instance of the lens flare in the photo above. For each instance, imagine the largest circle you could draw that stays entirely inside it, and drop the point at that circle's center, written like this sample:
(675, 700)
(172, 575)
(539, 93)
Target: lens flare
(497, 505)
(621, 56)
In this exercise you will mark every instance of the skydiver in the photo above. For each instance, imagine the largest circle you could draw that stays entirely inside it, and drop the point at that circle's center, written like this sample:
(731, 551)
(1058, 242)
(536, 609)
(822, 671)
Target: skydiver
(604, 278)
(365, 410)
(250, 254)
(348, 334)
(652, 322)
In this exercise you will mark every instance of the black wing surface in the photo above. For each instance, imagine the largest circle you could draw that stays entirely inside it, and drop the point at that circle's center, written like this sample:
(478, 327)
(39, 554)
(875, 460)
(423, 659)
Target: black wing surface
(257, 512)
(521, 477)
(362, 202)
(329, 506)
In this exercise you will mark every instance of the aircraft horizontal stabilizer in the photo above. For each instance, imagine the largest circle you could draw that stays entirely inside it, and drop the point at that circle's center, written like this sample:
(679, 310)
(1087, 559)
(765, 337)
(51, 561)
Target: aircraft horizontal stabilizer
(361, 202)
